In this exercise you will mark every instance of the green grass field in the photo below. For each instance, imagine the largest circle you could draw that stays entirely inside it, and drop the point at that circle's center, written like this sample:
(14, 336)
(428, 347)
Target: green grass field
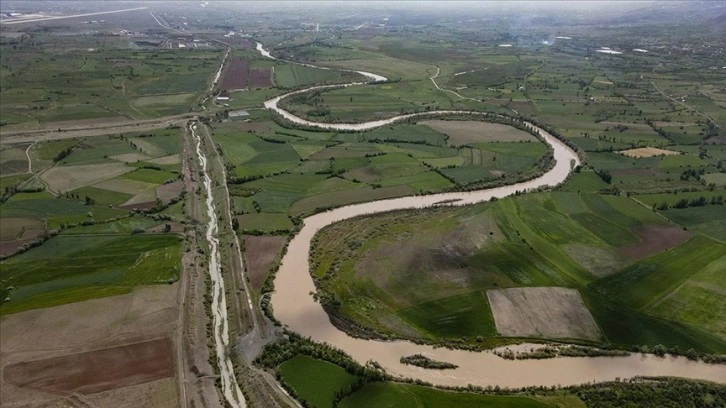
(151, 176)
(373, 101)
(465, 315)
(644, 283)
(315, 381)
(14, 180)
(57, 271)
(709, 220)
(406, 395)
(44, 206)
(264, 222)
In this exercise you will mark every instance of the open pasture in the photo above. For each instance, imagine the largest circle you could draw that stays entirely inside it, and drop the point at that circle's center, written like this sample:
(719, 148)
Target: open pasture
(13, 159)
(369, 102)
(105, 82)
(709, 220)
(459, 316)
(13, 180)
(645, 282)
(288, 75)
(61, 179)
(124, 225)
(386, 65)
(102, 196)
(268, 222)
(98, 150)
(399, 133)
(15, 227)
(55, 211)
(315, 381)
(699, 301)
(339, 198)
(494, 74)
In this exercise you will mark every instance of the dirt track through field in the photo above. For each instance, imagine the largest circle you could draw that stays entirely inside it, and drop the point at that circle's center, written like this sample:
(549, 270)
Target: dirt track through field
(101, 129)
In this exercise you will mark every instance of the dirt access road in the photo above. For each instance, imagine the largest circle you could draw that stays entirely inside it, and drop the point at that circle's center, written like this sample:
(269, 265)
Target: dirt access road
(89, 130)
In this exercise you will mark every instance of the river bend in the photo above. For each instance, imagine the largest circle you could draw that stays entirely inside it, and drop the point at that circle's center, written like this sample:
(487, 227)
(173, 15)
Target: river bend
(295, 307)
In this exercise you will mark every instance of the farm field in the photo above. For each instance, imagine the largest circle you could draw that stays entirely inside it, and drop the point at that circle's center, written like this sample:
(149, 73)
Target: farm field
(407, 395)
(315, 381)
(278, 173)
(235, 75)
(80, 240)
(74, 268)
(90, 181)
(261, 252)
(104, 260)
(369, 102)
(288, 75)
(424, 270)
(82, 336)
(104, 84)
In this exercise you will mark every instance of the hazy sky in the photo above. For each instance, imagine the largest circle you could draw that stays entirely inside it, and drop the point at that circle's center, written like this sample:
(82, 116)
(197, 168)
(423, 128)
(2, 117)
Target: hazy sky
(577, 6)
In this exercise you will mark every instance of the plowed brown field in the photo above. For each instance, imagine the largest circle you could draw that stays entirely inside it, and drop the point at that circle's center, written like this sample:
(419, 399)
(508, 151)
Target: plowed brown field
(96, 371)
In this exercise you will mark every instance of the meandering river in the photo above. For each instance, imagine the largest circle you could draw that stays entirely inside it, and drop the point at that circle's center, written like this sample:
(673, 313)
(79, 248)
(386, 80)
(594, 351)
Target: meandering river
(295, 307)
